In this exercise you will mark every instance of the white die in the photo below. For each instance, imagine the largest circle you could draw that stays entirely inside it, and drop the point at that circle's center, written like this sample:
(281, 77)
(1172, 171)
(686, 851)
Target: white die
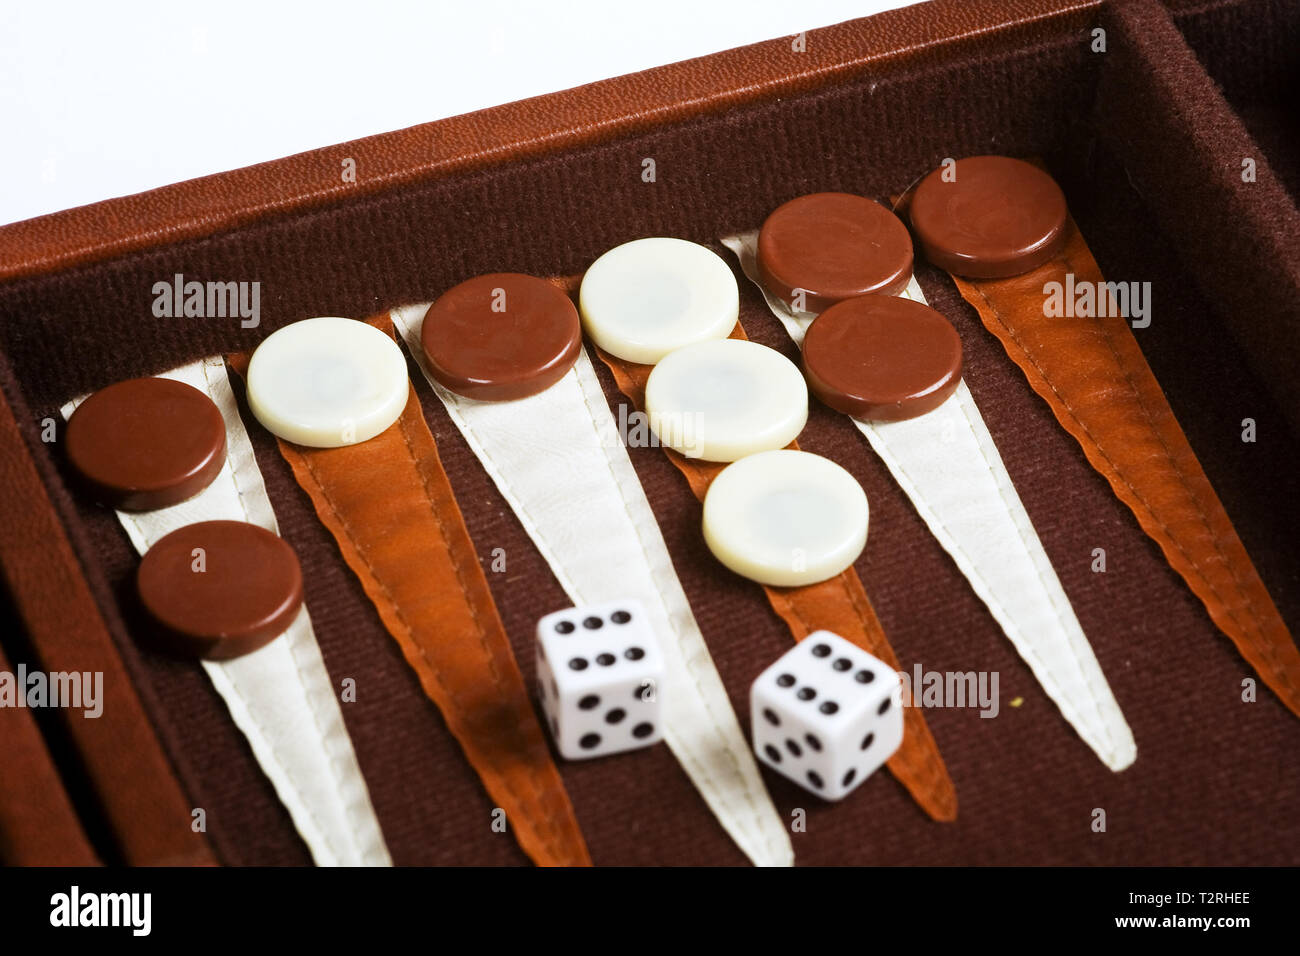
(600, 675)
(827, 714)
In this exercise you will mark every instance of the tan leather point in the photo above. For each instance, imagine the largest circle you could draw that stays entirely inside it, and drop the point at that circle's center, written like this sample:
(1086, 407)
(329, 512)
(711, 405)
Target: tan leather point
(1091, 371)
(390, 507)
(840, 605)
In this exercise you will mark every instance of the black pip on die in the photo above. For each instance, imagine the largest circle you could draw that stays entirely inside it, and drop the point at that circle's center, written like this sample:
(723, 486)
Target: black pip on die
(600, 675)
(827, 714)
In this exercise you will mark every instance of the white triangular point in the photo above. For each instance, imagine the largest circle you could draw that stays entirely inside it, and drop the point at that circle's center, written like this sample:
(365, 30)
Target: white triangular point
(948, 466)
(280, 696)
(557, 459)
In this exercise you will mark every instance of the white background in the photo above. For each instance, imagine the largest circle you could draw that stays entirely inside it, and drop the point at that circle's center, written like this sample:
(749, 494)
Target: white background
(101, 99)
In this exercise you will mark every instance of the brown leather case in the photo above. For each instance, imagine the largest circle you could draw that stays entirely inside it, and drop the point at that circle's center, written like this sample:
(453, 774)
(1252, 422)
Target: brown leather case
(38, 825)
(1148, 141)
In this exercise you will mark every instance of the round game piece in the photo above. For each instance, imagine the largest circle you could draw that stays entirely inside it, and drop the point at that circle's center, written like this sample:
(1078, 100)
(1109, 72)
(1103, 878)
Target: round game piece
(643, 299)
(785, 518)
(501, 336)
(833, 246)
(327, 382)
(722, 400)
(220, 589)
(997, 217)
(146, 443)
(882, 358)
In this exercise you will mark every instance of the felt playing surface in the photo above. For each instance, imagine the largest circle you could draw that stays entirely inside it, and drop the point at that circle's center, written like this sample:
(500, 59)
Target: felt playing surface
(1215, 777)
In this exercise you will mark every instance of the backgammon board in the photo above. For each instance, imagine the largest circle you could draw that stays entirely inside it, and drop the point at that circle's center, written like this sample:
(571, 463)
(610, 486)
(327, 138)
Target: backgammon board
(1097, 530)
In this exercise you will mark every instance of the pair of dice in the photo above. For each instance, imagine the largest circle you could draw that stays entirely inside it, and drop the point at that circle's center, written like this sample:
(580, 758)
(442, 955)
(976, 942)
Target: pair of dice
(826, 714)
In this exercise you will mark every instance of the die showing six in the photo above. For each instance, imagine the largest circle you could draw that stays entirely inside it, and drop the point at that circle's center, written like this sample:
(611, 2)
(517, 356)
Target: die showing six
(600, 676)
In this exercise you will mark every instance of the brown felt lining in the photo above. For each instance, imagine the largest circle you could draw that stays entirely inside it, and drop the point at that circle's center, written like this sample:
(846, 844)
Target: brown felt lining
(1214, 776)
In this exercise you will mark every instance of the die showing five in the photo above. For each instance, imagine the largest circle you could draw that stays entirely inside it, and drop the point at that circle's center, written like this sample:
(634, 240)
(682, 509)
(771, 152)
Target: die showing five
(826, 714)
